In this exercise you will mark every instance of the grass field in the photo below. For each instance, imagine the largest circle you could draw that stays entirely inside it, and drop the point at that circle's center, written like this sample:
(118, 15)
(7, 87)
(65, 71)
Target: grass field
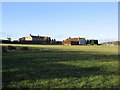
(52, 66)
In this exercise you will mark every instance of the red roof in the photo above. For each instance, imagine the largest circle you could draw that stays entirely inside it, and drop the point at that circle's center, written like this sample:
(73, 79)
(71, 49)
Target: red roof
(74, 39)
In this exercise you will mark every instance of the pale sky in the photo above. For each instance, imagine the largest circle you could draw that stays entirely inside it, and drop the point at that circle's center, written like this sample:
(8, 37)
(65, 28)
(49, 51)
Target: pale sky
(60, 20)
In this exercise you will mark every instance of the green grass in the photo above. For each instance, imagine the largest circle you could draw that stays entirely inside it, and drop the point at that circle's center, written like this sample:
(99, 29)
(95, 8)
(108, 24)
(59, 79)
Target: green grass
(57, 66)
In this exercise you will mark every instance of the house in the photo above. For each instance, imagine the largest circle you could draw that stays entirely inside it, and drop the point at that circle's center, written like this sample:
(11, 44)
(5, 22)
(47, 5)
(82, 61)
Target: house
(35, 39)
(74, 41)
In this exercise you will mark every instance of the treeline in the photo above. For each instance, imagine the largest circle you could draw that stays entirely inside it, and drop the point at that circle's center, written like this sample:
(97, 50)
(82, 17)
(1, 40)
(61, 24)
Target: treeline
(46, 42)
(111, 43)
(92, 42)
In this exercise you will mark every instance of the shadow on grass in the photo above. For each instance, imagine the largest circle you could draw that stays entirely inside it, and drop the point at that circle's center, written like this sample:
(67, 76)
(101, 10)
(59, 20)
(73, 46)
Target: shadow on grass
(45, 65)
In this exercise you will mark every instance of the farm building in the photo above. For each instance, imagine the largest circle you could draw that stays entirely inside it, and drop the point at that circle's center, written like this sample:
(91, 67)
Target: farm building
(74, 41)
(35, 39)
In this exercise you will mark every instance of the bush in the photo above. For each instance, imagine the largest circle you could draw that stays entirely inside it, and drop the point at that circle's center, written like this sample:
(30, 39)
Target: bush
(24, 48)
(11, 48)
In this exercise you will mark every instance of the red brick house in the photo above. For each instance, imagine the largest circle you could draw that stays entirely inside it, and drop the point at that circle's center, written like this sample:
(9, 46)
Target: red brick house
(74, 41)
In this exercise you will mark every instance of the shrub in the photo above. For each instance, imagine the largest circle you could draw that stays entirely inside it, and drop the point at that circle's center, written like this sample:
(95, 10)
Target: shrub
(4, 49)
(11, 48)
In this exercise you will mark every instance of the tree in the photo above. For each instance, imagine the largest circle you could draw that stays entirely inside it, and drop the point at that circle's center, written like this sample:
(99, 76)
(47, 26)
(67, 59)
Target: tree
(96, 42)
(53, 41)
(47, 40)
(22, 39)
(92, 42)
(88, 42)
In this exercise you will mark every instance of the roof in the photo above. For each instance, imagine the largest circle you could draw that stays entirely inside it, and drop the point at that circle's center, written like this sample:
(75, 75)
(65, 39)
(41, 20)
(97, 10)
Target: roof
(74, 39)
(37, 36)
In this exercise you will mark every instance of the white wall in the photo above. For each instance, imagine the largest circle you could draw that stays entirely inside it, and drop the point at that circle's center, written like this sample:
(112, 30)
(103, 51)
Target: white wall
(82, 41)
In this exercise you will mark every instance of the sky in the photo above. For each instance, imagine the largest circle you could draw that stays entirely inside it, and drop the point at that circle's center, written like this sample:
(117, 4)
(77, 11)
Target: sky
(60, 20)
